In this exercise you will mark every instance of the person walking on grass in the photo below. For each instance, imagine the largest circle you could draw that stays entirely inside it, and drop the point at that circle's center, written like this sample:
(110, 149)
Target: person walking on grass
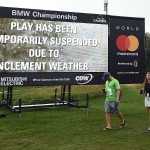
(146, 91)
(112, 91)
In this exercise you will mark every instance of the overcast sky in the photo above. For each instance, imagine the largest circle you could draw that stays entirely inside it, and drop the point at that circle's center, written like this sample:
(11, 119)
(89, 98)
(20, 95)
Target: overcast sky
(132, 8)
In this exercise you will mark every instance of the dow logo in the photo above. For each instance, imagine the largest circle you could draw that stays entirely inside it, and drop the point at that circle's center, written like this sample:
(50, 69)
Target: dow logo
(84, 79)
(130, 43)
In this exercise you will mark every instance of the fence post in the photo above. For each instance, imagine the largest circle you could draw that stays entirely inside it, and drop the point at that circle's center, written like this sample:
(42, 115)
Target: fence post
(20, 105)
(55, 96)
(2, 96)
(87, 103)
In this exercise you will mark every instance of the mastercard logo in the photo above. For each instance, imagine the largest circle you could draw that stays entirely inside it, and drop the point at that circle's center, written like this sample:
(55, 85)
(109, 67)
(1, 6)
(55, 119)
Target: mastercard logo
(125, 43)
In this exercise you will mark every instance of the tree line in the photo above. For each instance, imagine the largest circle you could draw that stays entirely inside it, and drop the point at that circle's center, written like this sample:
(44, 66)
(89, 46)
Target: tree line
(147, 51)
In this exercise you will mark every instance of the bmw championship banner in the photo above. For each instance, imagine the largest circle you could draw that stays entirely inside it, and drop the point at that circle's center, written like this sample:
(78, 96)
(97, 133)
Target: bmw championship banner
(41, 47)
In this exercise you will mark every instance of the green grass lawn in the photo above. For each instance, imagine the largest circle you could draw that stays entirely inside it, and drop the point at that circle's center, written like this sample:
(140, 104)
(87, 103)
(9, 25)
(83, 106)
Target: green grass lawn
(66, 128)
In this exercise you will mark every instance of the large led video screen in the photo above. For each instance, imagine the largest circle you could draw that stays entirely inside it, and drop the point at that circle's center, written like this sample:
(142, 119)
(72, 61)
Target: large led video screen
(42, 47)
(52, 46)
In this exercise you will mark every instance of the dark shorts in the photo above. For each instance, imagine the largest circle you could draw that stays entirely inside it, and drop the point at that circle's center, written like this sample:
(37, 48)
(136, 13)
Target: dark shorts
(111, 106)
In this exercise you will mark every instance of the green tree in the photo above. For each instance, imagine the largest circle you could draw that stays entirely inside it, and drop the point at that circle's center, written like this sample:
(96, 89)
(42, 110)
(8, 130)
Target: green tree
(147, 51)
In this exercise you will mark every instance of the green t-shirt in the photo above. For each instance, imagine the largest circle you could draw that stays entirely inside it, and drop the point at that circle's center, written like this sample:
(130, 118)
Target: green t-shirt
(111, 88)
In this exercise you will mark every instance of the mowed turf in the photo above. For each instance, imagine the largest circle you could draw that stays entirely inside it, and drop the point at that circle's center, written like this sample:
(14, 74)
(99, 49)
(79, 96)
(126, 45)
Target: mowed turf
(67, 128)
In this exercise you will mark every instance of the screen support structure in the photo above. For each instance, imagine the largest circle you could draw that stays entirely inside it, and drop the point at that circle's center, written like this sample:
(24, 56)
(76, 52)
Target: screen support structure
(8, 101)
(63, 92)
(9, 95)
(62, 101)
(66, 90)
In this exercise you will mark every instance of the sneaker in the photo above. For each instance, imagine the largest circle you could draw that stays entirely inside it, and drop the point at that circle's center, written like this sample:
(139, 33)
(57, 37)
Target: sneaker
(106, 129)
(148, 130)
(122, 125)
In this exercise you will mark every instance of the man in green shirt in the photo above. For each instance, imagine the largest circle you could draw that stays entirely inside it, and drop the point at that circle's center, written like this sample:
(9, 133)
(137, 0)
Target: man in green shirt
(112, 91)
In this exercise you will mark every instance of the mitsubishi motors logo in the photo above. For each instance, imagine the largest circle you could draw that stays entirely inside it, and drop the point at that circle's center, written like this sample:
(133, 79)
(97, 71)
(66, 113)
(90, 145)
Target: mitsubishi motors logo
(84, 79)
